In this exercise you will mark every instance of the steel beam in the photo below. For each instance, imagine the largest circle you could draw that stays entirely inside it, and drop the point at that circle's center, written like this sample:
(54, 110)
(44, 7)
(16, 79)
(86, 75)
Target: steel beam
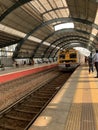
(49, 22)
(67, 42)
(63, 38)
(81, 44)
(76, 39)
(48, 11)
(59, 31)
(13, 7)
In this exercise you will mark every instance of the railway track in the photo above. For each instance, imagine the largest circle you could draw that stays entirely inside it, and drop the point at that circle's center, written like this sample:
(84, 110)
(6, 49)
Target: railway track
(23, 113)
(12, 91)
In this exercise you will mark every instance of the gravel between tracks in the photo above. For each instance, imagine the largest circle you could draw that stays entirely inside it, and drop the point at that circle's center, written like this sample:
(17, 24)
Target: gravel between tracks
(9, 93)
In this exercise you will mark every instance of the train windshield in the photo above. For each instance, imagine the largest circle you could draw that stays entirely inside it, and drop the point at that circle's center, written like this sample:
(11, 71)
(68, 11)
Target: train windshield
(62, 56)
(73, 55)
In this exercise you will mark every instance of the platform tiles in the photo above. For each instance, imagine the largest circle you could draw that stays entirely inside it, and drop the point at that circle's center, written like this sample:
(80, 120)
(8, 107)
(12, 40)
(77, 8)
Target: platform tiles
(75, 107)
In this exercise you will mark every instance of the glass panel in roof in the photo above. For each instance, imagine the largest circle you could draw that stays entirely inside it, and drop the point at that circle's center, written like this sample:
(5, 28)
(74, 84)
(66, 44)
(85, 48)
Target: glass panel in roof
(64, 25)
(53, 14)
(53, 3)
(65, 3)
(47, 17)
(96, 19)
(31, 9)
(59, 3)
(94, 31)
(38, 6)
(11, 31)
(46, 4)
(65, 12)
(58, 13)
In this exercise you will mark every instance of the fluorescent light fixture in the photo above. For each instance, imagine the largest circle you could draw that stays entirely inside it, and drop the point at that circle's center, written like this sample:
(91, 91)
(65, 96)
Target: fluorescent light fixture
(63, 26)
(15, 32)
(11, 31)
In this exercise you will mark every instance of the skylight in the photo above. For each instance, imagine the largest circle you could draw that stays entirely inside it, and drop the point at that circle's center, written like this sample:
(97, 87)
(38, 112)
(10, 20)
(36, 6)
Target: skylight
(83, 51)
(63, 26)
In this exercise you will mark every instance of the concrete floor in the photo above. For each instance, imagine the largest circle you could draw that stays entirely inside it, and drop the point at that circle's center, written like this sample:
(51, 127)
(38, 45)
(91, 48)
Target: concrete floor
(75, 105)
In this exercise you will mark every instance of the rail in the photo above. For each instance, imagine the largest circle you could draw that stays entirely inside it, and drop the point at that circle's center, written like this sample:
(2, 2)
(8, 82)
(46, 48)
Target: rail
(23, 113)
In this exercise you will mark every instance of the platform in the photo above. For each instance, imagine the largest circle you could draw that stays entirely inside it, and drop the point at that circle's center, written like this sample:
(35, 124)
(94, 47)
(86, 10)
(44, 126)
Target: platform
(75, 107)
(14, 73)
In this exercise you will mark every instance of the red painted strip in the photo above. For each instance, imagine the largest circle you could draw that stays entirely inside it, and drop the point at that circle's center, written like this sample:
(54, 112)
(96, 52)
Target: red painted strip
(15, 75)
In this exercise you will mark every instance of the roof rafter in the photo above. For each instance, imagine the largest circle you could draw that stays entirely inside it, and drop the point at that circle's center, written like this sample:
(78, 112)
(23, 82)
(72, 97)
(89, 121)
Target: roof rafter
(63, 38)
(59, 31)
(64, 41)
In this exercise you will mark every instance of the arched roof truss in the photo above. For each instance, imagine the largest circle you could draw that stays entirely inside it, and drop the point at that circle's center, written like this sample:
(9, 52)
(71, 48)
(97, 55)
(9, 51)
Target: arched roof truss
(35, 20)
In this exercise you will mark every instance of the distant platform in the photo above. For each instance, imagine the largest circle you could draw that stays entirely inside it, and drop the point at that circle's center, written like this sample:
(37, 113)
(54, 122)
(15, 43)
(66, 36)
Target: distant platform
(13, 73)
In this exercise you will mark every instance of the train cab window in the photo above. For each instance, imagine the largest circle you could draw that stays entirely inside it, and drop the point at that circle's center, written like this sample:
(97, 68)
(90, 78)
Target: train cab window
(62, 56)
(73, 55)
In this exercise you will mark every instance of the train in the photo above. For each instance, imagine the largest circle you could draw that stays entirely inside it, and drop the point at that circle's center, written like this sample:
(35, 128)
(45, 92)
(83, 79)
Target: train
(68, 60)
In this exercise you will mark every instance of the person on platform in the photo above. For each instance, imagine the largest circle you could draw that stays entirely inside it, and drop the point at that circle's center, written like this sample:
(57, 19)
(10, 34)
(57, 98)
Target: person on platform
(2, 67)
(86, 60)
(90, 63)
(95, 59)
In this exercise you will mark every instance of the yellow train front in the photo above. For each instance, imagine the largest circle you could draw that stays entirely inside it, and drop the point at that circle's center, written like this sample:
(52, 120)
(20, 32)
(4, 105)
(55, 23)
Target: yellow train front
(68, 60)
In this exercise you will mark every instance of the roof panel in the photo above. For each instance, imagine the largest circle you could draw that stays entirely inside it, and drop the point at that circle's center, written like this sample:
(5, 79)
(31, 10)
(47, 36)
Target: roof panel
(4, 5)
(20, 21)
(53, 3)
(65, 12)
(59, 14)
(37, 6)
(59, 3)
(26, 18)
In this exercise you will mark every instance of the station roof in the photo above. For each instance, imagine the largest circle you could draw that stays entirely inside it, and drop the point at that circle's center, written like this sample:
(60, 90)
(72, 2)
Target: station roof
(31, 24)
